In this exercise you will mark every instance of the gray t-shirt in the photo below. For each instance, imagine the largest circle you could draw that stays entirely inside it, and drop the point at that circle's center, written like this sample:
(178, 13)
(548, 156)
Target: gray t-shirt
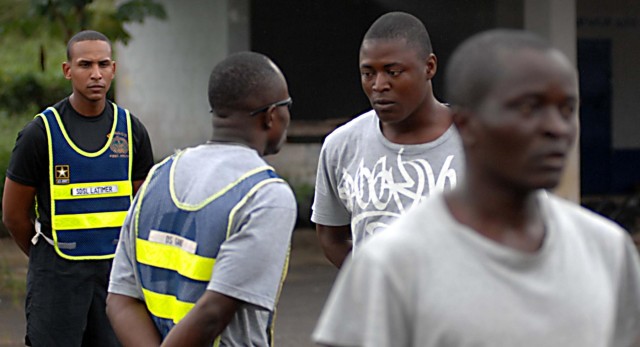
(430, 281)
(367, 181)
(251, 263)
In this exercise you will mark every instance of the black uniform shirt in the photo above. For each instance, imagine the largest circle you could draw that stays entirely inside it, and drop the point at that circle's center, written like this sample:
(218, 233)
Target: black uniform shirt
(29, 164)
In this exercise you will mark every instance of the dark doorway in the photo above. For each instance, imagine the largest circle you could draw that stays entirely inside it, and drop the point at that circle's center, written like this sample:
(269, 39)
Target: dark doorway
(316, 43)
(594, 66)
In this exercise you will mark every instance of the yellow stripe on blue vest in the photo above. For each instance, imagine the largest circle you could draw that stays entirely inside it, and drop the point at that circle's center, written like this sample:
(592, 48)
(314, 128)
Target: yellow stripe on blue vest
(177, 243)
(90, 191)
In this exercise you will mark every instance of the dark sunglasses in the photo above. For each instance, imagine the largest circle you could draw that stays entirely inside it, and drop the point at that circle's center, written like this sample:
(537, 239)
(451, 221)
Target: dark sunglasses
(287, 102)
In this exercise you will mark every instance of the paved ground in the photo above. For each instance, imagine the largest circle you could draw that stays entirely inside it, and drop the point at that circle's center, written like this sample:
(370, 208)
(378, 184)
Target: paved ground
(305, 290)
(304, 293)
(13, 271)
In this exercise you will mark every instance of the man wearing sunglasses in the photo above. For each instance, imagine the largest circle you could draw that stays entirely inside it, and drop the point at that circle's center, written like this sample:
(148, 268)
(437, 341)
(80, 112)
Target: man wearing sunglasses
(204, 249)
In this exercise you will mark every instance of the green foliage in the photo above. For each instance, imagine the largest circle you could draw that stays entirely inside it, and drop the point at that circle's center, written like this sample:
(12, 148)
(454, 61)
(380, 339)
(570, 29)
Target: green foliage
(137, 10)
(59, 20)
(72, 16)
(23, 92)
(25, 86)
(303, 191)
(304, 199)
(109, 19)
(9, 128)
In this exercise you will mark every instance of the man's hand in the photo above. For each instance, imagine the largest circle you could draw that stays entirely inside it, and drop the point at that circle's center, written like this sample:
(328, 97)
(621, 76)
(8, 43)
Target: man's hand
(206, 321)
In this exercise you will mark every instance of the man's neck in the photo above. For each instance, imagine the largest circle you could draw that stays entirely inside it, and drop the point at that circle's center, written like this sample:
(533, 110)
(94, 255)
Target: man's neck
(513, 220)
(87, 108)
(233, 136)
(425, 125)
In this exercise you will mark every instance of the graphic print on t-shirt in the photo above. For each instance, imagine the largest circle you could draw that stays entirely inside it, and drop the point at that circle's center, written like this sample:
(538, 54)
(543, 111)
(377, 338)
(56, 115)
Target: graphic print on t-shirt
(376, 196)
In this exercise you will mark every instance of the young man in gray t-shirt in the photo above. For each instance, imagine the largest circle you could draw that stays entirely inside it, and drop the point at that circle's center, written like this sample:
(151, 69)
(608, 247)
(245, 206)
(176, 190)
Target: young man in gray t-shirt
(498, 261)
(376, 167)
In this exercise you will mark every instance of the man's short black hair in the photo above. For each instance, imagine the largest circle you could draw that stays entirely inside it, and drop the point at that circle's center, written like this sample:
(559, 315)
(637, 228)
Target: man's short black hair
(237, 77)
(401, 25)
(86, 35)
(479, 62)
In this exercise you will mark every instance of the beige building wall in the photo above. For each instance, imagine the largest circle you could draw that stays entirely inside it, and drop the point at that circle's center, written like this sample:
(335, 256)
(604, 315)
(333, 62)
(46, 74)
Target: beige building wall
(163, 72)
(556, 21)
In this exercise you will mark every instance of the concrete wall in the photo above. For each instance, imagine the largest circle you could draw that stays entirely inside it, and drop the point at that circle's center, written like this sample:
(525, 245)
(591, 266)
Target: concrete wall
(163, 72)
(555, 21)
(297, 162)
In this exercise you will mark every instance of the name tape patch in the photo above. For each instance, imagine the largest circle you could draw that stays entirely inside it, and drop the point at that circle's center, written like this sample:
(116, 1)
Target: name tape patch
(173, 240)
(94, 190)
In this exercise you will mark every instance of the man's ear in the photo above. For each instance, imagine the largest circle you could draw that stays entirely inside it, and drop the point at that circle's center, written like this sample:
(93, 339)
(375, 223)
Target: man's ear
(463, 120)
(267, 117)
(66, 70)
(431, 67)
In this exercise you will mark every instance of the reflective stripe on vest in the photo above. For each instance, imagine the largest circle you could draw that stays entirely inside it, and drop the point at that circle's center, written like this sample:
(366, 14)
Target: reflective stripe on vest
(90, 191)
(177, 243)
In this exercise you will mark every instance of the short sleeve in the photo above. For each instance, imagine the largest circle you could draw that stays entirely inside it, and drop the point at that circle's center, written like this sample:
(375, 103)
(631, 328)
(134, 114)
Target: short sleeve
(123, 279)
(328, 208)
(142, 151)
(251, 263)
(628, 316)
(29, 163)
(365, 307)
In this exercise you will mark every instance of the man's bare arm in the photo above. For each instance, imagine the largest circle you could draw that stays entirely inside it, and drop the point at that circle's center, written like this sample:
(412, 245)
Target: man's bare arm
(136, 185)
(335, 242)
(131, 321)
(206, 321)
(17, 205)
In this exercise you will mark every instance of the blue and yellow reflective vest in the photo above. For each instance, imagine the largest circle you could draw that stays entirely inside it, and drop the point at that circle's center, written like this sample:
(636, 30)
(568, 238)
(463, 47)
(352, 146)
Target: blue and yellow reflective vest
(177, 243)
(90, 192)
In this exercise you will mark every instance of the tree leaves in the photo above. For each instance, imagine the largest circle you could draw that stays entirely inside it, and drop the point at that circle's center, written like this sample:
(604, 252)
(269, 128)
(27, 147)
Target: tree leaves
(46, 20)
(63, 18)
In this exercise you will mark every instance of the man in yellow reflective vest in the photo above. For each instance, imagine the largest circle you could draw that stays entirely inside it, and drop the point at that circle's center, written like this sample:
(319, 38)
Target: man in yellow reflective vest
(204, 250)
(82, 160)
